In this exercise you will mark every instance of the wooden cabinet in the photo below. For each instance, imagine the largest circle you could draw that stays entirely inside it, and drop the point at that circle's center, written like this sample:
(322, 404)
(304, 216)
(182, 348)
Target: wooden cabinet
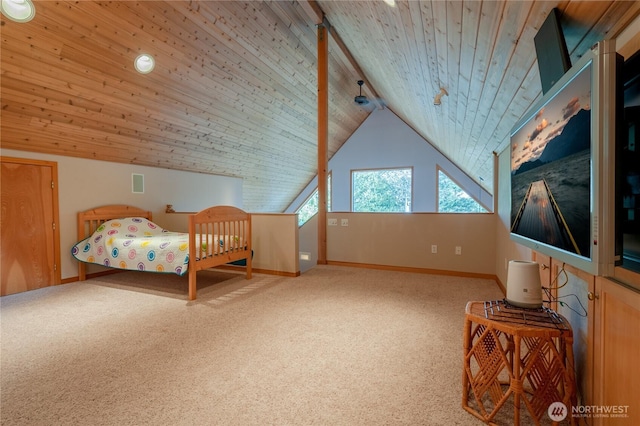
(616, 349)
(570, 288)
(606, 338)
(545, 269)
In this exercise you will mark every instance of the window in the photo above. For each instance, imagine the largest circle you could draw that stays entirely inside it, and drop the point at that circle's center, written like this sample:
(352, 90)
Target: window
(310, 207)
(384, 190)
(453, 199)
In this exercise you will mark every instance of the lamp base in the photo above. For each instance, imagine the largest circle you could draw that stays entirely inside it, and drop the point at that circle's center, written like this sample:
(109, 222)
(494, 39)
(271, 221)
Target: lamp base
(524, 304)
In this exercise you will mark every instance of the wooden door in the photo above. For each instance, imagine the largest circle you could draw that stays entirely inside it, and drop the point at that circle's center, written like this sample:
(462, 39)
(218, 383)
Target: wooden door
(28, 225)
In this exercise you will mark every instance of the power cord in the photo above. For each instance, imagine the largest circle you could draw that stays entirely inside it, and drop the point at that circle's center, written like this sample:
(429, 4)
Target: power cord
(581, 311)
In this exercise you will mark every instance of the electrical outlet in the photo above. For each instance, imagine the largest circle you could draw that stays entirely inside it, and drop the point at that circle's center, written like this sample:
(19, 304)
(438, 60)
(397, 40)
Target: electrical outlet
(344, 222)
(332, 222)
(458, 250)
(434, 248)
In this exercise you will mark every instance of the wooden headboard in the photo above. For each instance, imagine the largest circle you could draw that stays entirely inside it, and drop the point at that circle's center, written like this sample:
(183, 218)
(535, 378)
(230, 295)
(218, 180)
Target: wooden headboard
(90, 220)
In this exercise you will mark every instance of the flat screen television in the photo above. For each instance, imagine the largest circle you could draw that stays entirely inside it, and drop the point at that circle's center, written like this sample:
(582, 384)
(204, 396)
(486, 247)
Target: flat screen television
(563, 166)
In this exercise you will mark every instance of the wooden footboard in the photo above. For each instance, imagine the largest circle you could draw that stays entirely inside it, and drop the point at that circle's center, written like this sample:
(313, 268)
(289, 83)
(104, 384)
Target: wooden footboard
(230, 230)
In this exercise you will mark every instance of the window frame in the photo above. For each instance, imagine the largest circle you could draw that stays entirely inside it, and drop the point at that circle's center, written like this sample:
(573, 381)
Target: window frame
(311, 195)
(411, 189)
(440, 169)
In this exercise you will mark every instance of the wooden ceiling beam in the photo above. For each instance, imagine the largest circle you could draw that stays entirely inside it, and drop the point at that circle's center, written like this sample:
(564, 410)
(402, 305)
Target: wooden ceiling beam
(315, 13)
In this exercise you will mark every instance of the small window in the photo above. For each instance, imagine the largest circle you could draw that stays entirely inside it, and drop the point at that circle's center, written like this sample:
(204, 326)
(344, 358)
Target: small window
(453, 199)
(310, 207)
(382, 190)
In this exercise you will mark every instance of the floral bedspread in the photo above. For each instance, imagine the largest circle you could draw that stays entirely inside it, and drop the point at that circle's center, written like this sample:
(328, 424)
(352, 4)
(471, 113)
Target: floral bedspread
(136, 244)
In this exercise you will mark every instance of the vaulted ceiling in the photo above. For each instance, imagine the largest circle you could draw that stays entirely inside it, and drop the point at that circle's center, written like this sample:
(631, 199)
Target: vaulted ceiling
(234, 90)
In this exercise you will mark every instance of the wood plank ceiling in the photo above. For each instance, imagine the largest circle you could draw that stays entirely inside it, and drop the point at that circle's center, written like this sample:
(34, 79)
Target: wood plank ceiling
(234, 88)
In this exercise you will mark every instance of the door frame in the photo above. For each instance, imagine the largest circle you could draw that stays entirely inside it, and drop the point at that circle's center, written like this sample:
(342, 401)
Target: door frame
(57, 273)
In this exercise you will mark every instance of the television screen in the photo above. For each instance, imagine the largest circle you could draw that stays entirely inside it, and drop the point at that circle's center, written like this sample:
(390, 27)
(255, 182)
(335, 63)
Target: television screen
(551, 170)
(563, 153)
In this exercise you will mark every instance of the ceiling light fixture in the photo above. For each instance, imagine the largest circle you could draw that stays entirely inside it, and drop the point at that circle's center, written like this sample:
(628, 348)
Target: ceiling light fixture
(18, 10)
(144, 63)
(361, 99)
(438, 99)
(391, 3)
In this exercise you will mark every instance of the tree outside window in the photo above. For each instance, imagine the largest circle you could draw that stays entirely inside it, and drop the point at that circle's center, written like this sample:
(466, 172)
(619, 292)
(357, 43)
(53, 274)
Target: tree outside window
(453, 199)
(382, 190)
(309, 208)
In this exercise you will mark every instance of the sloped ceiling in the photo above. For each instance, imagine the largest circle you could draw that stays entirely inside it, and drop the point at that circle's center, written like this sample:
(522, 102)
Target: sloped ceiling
(234, 91)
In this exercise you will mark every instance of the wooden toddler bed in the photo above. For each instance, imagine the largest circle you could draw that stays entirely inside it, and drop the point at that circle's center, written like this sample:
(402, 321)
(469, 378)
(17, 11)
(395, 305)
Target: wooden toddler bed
(124, 237)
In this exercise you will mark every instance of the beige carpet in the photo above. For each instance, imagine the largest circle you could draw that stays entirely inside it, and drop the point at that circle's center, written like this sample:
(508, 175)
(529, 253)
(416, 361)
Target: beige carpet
(336, 346)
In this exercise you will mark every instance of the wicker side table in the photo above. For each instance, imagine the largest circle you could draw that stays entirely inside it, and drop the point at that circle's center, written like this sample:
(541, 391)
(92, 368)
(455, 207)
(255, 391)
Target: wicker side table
(520, 354)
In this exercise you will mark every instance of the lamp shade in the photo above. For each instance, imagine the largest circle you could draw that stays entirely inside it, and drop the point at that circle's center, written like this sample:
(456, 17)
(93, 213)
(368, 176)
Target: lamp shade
(524, 288)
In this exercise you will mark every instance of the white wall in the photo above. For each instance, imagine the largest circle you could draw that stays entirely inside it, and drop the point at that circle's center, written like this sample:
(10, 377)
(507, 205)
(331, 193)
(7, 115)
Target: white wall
(506, 249)
(275, 242)
(84, 184)
(309, 244)
(405, 240)
(385, 141)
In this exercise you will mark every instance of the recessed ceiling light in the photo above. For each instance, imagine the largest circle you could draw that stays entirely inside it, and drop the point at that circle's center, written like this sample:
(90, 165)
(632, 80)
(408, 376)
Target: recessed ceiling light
(18, 10)
(144, 63)
(391, 3)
